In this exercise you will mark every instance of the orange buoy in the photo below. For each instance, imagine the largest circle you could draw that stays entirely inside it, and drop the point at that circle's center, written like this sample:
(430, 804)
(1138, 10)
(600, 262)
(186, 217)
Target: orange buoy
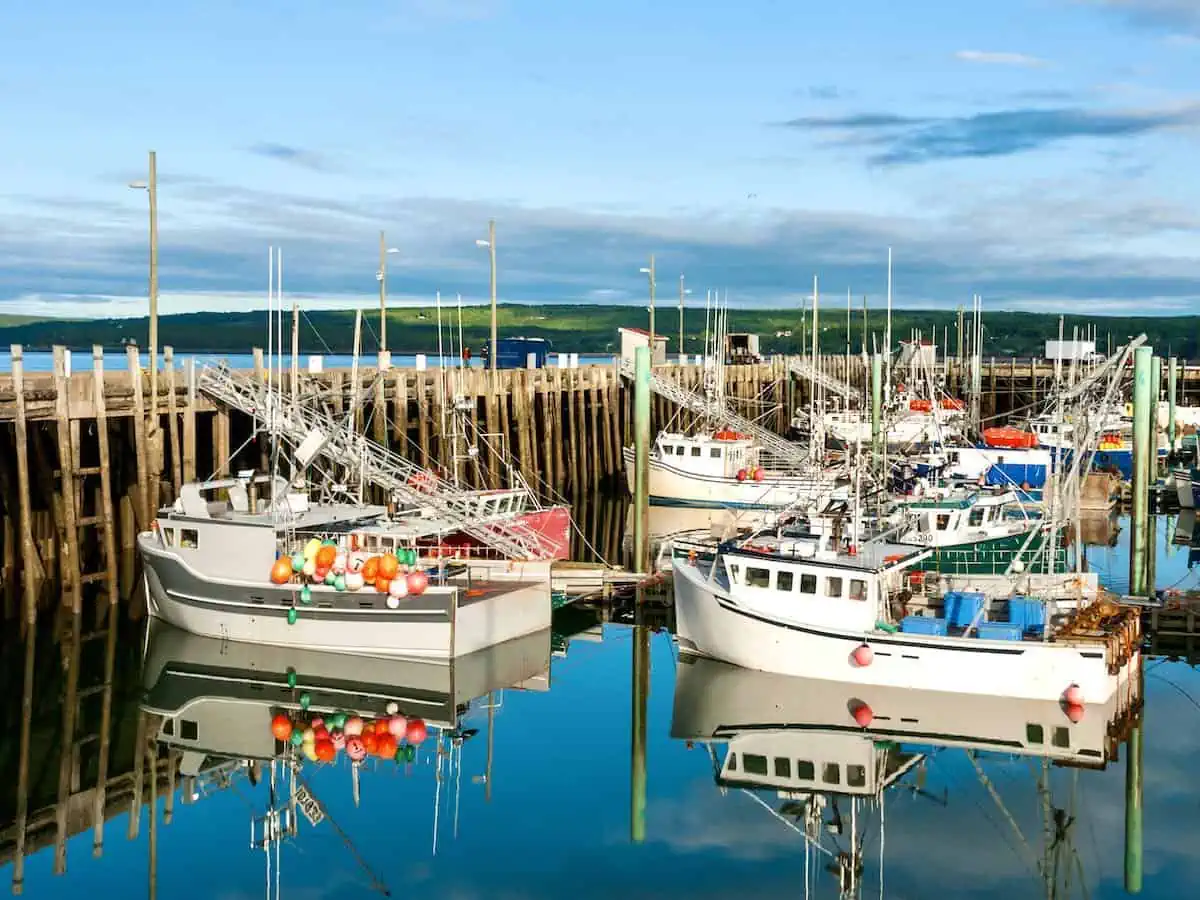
(386, 747)
(370, 568)
(326, 752)
(1074, 712)
(388, 566)
(281, 727)
(281, 571)
(863, 715)
(370, 741)
(325, 556)
(381, 584)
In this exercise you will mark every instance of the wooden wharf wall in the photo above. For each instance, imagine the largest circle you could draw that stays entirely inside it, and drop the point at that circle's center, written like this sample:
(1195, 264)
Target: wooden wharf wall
(87, 457)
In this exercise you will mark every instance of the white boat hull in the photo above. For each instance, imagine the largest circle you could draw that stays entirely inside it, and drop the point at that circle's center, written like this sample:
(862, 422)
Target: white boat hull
(711, 624)
(670, 486)
(443, 623)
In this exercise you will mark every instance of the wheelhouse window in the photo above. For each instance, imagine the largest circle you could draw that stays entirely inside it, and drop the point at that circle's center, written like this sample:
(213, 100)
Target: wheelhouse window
(805, 770)
(784, 581)
(169, 536)
(695, 451)
(858, 589)
(808, 583)
(735, 572)
(715, 452)
(783, 767)
(856, 776)
(831, 773)
(833, 587)
(756, 577)
(668, 449)
(975, 519)
(943, 521)
(189, 537)
(753, 764)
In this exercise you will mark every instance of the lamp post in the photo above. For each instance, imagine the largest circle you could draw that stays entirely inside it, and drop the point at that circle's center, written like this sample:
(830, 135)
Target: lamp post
(649, 273)
(381, 277)
(682, 292)
(490, 244)
(150, 186)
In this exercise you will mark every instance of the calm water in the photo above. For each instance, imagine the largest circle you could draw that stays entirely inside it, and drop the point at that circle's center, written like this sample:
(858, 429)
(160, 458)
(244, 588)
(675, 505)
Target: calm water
(562, 808)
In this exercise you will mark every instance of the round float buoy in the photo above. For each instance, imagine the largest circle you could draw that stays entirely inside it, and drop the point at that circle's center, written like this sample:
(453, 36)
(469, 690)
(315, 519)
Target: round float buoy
(759, 474)
(863, 715)
(353, 726)
(281, 727)
(296, 738)
(355, 749)
(392, 707)
(417, 582)
(281, 571)
(325, 750)
(386, 746)
(1074, 712)
(291, 678)
(293, 615)
(1073, 695)
(397, 724)
(863, 655)
(416, 731)
(393, 602)
(306, 594)
(305, 701)
(354, 581)
(741, 474)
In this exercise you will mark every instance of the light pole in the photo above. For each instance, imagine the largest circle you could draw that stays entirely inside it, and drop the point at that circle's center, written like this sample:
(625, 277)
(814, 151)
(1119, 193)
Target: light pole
(682, 292)
(490, 244)
(150, 186)
(381, 277)
(649, 273)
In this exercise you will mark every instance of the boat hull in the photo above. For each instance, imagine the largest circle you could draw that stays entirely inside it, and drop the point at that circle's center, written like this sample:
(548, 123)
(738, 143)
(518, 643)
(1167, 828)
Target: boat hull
(713, 625)
(669, 486)
(442, 623)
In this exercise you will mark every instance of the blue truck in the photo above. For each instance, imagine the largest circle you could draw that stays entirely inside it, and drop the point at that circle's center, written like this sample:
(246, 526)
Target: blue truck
(514, 352)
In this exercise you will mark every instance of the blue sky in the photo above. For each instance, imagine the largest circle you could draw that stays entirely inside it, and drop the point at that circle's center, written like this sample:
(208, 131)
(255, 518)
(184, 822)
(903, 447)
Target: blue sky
(1036, 151)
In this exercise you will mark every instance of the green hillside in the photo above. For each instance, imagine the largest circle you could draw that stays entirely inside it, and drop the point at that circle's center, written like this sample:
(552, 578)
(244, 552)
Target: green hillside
(590, 329)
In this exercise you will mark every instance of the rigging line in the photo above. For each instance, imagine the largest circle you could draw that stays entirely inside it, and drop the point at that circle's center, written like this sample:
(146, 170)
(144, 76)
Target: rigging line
(792, 825)
(1181, 690)
(316, 331)
(376, 883)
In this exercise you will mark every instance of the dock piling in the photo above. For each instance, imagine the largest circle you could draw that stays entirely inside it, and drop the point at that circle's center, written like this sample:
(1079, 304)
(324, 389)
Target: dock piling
(641, 446)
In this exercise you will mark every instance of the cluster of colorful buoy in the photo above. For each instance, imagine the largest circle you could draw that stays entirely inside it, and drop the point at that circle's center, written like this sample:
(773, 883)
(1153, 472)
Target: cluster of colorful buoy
(327, 563)
(754, 473)
(320, 738)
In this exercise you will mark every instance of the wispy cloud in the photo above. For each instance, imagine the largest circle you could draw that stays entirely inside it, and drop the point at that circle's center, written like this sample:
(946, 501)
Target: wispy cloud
(999, 58)
(1181, 15)
(908, 140)
(296, 156)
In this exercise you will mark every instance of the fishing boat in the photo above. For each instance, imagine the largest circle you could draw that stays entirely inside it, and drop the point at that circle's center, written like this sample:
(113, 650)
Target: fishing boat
(980, 531)
(725, 469)
(221, 563)
(810, 607)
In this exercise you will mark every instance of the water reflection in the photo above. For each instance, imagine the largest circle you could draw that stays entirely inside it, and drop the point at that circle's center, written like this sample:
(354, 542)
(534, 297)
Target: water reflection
(577, 763)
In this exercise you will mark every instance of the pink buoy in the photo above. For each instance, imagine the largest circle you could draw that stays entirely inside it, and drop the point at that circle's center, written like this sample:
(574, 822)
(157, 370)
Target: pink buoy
(1073, 695)
(863, 715)
(759, 474)
(398, 726)
(863, 655)
(338, 737)
(417, 582)
(353, 726)
(741, 475)
(416, 731)
(355, 748)
(1074, 712)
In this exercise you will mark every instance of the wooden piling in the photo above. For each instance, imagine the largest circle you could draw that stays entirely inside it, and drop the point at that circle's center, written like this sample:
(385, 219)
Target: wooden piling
(143, 509)
(173, 420)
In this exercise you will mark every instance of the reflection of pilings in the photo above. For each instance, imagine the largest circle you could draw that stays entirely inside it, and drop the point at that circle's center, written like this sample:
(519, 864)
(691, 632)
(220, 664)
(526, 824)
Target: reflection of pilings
(640, 694)
(18, 878)
(68, 758)
(1133, 802)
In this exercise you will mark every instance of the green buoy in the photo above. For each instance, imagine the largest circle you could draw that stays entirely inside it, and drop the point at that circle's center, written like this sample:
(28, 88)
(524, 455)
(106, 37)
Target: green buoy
(292, 616)
(291, 678)
(305, 701)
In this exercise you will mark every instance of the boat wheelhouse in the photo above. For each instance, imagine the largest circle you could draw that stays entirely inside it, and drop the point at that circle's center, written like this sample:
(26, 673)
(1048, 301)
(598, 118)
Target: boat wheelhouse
(981, 532)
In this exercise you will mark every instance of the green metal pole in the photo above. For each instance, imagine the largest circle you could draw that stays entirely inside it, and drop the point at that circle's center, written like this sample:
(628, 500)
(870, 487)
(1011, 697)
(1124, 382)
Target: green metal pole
(640, 693)
(1143, 368)
(641, 447)
(876, 401)
(1156, 387)
(1172, 389)
(1134, 843)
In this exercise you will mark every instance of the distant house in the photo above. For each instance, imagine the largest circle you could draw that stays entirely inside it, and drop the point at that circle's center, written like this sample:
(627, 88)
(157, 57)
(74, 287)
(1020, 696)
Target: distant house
(632, 338)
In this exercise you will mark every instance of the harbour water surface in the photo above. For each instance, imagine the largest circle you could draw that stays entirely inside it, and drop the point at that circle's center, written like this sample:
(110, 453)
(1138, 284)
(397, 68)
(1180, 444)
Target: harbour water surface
(564, 814)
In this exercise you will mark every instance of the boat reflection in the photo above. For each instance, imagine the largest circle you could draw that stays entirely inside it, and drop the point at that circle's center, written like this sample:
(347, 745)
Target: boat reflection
(221, 707)
(830, 751)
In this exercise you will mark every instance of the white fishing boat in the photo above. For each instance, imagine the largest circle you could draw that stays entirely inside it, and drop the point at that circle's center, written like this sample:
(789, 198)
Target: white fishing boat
(220, 563)
(726, 469)
(808, 607)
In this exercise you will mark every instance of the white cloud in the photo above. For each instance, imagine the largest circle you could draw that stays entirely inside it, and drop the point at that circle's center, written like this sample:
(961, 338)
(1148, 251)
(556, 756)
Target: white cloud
(999, 58)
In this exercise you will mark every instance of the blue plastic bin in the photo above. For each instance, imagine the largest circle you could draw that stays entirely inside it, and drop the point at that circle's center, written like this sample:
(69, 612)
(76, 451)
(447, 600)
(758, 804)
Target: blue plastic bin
(923, 625)
(999, 631)
(962, 607)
